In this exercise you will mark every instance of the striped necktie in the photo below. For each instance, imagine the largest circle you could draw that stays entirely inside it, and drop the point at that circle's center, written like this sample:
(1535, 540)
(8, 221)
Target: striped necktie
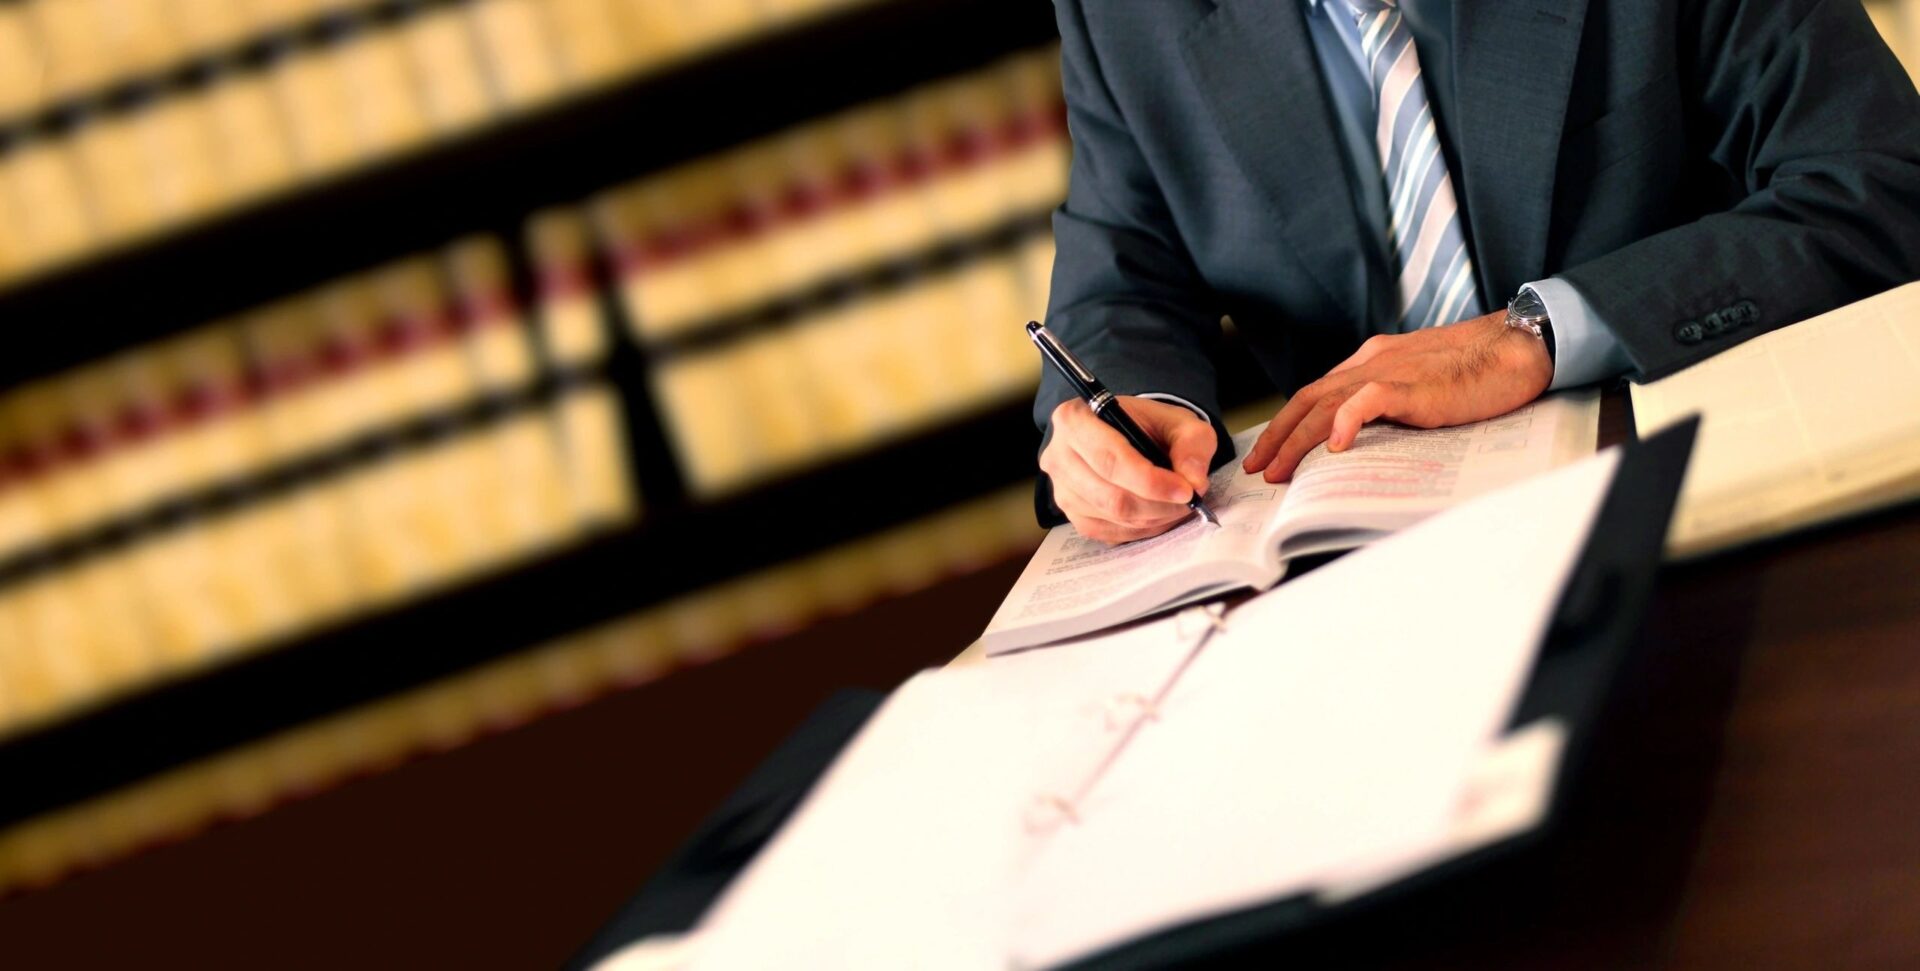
(1423, 224)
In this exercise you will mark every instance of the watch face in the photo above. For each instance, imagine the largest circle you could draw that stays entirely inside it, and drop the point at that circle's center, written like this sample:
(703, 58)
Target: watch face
(1527, 304)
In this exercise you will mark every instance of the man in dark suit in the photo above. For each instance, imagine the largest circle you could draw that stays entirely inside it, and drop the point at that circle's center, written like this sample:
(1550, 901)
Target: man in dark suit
(1433, 211)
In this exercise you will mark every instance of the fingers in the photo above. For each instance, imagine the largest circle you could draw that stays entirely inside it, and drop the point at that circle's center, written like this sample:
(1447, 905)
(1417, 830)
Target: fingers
(1083, 493)
(1311, 431)
(1373, 400)
(1267, 449)
(1267, 446)
(1112, 459)
(1191, 445)
(1100, 530)
(1087, 517)
(1188, 438)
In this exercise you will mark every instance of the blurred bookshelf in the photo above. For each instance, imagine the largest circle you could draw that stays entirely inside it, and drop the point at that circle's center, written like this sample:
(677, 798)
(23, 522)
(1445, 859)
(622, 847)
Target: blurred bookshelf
(503, 158)
(386, 373)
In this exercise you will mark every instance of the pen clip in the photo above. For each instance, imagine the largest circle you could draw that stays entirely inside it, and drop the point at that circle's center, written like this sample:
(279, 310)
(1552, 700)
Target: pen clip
(1058, 353)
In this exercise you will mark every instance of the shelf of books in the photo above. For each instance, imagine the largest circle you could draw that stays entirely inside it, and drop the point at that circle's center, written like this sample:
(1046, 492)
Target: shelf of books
(373, 129)
(610, 357)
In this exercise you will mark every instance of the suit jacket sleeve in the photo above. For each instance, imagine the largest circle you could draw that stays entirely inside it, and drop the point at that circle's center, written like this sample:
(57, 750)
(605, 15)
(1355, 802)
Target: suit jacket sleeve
(1125, 296)
(1801, 103)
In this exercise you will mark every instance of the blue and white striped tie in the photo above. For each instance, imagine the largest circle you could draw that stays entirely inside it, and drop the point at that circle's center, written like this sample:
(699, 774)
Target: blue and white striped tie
(1430, 248)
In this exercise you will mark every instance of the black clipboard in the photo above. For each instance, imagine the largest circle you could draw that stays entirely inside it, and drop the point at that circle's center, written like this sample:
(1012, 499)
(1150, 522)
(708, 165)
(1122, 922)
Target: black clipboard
(1583, 674)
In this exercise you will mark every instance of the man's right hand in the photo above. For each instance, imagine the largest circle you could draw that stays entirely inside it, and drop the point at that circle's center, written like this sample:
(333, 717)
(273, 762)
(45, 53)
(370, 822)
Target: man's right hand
(1111, 492)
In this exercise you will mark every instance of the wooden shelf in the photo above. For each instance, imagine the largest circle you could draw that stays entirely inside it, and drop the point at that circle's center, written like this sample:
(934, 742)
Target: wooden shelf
(494, 178)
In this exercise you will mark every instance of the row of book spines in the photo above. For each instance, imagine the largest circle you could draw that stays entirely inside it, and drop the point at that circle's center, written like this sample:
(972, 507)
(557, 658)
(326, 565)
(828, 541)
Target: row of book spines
(412, 303)
(231, 401)
(172, 602)
(880, 368)
(700, 627)
(730, 232)
(114, 174)
(839, 379)
(1899, 23)
(877, 368)
(64, 50)
(421, 335)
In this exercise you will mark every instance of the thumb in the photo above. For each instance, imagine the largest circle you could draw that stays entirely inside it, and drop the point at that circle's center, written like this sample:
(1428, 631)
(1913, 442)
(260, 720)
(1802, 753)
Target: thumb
(1187, 437)
(1191, 446)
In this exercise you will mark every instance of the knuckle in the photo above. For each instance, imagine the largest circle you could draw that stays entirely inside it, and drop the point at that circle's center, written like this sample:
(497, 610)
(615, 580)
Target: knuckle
(1103, 461)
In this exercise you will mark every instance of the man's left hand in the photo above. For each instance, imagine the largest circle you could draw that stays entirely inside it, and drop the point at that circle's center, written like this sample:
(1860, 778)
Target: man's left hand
(1452, 375)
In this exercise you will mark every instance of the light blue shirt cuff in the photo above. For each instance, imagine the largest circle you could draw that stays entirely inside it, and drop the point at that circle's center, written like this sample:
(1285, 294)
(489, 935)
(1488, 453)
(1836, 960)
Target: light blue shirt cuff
(1174, 399)
(1585, 351)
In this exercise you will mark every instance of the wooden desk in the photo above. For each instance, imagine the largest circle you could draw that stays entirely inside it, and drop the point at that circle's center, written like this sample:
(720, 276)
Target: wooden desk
(1783, 776)
(1768, 809)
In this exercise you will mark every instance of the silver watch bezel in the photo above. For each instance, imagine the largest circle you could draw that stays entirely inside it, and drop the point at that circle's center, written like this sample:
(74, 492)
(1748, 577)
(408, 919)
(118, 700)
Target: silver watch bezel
(1521, 319)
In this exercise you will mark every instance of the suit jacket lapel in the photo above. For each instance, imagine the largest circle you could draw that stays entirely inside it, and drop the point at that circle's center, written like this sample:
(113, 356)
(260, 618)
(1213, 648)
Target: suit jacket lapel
(1254, 63)
(1513, 71)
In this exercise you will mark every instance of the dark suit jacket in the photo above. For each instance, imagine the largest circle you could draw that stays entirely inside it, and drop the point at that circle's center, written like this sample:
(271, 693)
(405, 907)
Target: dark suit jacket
(1702, 171)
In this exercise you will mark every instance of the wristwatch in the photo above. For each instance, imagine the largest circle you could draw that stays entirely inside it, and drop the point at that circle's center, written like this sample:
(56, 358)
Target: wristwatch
(1529, 313)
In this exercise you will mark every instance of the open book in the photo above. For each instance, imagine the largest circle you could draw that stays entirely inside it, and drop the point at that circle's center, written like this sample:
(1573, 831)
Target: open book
(1391, 478)
(1808, 423)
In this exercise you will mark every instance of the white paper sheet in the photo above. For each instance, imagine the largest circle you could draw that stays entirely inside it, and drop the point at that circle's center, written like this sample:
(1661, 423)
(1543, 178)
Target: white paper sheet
(1332, 728)
(902, 858)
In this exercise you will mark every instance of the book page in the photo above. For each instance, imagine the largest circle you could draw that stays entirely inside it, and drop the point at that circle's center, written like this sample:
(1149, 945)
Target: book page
(1391, 464)
(1797, 422)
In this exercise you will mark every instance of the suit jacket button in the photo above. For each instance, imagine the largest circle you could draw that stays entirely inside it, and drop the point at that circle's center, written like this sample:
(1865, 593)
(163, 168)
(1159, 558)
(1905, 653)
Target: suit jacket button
(1689, 332)
(1749, 314)
(1716, 323)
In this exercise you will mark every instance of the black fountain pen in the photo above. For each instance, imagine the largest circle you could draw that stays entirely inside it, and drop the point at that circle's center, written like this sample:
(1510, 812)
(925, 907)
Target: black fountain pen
(1107, 408)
